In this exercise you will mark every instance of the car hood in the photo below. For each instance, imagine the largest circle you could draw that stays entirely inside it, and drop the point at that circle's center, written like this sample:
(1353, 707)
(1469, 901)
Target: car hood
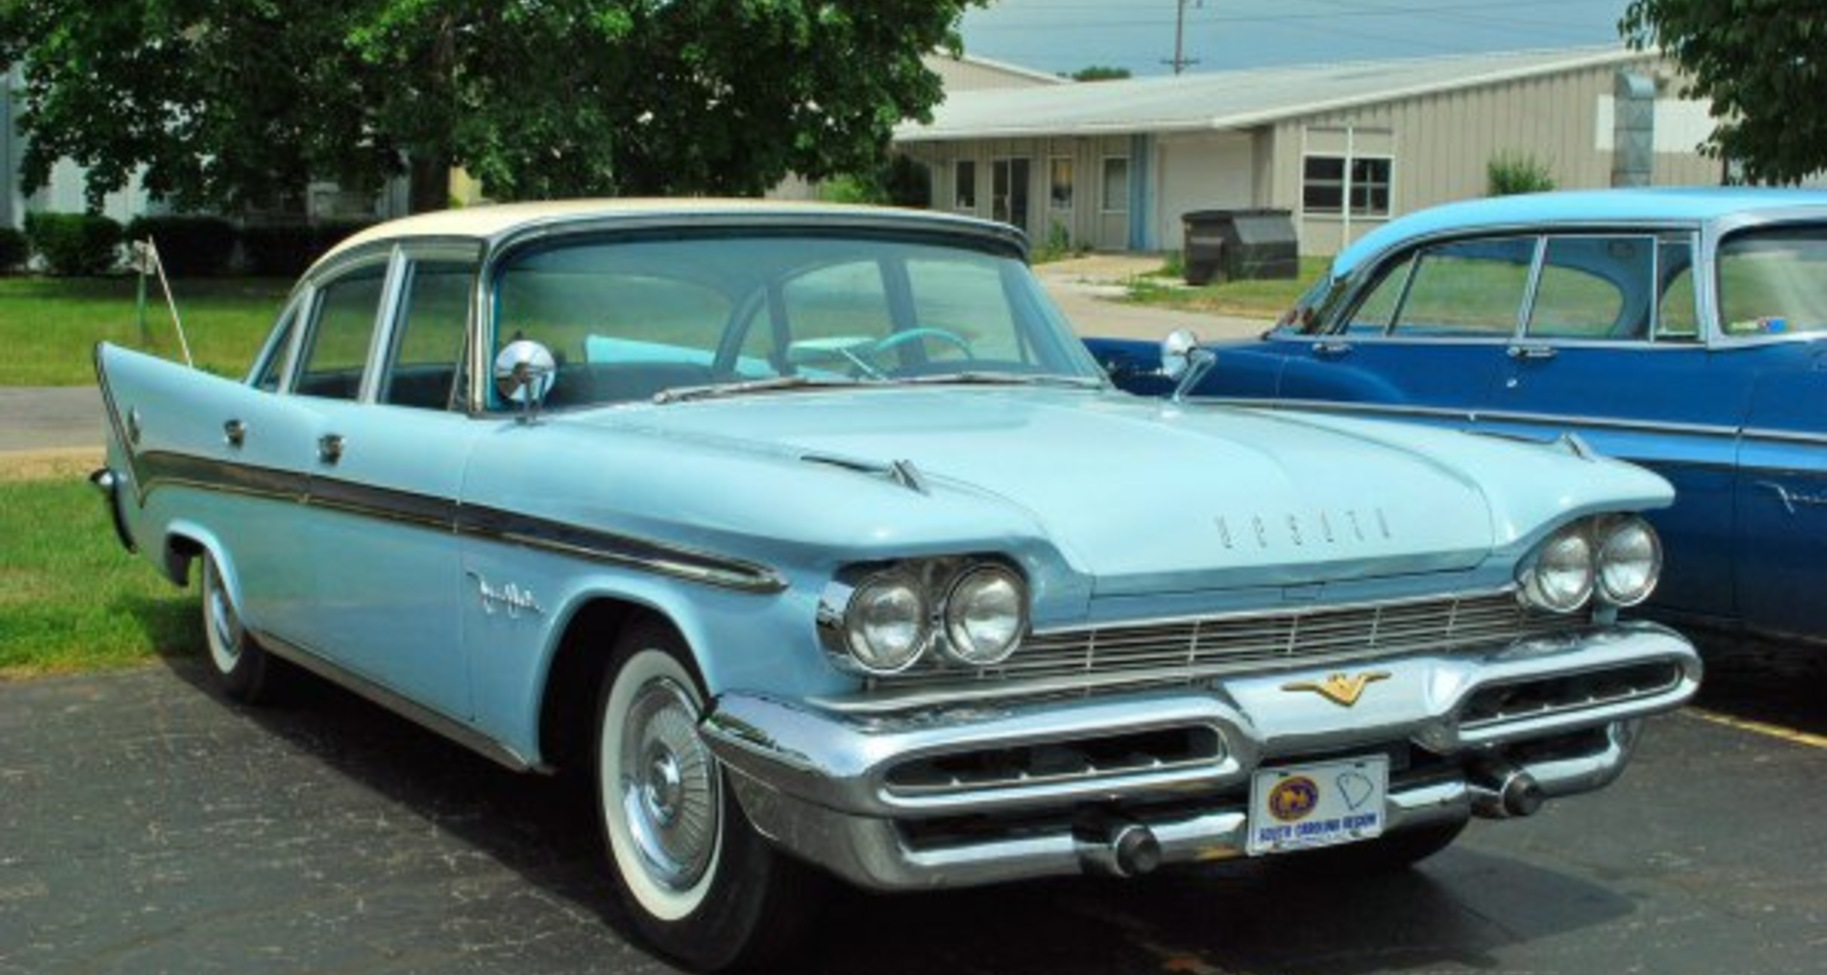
(1145, 494)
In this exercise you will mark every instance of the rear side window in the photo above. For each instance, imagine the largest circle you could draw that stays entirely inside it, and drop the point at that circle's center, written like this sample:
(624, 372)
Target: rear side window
(428, 342)
(337, 350)
(272, 368)
(1773, 281)
(1599, 288)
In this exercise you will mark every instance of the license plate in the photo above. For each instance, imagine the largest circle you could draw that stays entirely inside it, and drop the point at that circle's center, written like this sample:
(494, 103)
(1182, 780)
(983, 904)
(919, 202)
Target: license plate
(1301, 807)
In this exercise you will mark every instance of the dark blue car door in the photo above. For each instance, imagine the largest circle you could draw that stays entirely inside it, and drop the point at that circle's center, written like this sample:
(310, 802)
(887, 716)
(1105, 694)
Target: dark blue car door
(1425, 339)
(1782, 493)
(1609, 356)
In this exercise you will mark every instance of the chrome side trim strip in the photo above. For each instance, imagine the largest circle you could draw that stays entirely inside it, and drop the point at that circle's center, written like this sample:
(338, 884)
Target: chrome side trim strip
(165, 469)
(622, 550)
(457, 731)
(1493, 416)
(1785, 436)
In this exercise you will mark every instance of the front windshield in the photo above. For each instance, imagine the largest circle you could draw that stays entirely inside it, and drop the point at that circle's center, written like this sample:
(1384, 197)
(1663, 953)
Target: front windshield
(1774, 281)
(629, 319)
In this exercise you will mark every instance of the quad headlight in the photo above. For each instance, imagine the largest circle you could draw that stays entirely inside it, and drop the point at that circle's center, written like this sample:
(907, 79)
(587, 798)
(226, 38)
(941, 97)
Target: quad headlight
(1630, 560)
(882, 620)
(985, 614)
(1618, 558)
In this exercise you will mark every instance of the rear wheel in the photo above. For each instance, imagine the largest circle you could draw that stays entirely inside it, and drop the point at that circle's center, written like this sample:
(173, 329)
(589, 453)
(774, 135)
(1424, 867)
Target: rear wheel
(703, 886)
(243, 668)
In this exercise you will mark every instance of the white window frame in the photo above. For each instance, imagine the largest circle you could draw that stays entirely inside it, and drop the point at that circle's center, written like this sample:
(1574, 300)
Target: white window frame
(1346, 185)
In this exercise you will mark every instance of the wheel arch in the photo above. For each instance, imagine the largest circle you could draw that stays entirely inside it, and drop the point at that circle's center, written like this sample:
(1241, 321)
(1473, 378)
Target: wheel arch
(184, 543)
(580, 661)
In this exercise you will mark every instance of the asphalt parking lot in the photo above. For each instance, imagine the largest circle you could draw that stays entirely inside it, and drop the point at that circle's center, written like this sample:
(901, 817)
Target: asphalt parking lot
(149, 826)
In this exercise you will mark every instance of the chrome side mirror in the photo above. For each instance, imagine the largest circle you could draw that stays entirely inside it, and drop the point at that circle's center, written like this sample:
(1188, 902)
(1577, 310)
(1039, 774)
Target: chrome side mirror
(524, 373)
(1185, 361)
(1177, 352)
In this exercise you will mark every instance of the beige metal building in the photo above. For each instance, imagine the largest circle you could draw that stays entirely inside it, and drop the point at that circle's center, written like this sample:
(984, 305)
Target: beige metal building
(1113, 165)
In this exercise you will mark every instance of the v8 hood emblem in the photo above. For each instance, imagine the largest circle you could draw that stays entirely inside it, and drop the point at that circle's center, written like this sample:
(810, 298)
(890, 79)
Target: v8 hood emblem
(1339, 688)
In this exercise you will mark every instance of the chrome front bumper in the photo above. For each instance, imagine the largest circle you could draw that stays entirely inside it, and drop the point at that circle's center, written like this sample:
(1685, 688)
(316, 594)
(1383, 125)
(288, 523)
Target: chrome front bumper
(852, 792)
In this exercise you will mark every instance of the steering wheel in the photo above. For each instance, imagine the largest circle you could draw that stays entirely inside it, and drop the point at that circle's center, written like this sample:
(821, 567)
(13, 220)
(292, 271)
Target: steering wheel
(898, 339)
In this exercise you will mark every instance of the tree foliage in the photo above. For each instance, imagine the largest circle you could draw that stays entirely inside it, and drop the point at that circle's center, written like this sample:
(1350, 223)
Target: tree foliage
(1099, 72)
(234, 102)
(1760, 63)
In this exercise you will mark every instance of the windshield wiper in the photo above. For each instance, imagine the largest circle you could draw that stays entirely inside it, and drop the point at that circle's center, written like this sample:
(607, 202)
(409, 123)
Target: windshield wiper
(679, 394)
(969, 378)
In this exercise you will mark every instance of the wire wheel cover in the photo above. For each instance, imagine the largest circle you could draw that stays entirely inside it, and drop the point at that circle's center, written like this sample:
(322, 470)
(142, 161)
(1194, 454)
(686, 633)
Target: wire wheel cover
(669, 786)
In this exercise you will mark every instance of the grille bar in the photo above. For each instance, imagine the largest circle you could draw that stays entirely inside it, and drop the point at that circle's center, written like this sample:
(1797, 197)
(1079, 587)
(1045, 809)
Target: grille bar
(1191, 648)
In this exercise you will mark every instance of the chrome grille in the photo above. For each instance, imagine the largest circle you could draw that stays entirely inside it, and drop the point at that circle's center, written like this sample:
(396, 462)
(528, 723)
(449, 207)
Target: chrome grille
(1193, 648)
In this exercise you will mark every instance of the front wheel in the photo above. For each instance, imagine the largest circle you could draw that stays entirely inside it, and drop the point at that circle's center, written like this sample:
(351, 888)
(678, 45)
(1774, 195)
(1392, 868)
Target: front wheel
(243, 668)
(702, 885)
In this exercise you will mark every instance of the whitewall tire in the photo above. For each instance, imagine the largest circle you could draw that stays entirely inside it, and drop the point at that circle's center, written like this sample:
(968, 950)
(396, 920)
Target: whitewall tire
(702, 885)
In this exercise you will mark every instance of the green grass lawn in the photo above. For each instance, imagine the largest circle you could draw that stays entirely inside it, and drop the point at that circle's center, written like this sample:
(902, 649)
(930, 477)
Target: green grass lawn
(73, 600)
(52, 324)
(1252, 299)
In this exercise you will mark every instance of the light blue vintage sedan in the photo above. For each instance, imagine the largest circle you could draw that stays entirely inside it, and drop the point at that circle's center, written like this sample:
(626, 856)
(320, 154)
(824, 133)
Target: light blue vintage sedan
(816, 536)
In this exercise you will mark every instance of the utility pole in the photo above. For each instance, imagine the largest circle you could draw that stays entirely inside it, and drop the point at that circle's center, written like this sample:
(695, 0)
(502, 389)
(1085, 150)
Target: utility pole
(1181, 61)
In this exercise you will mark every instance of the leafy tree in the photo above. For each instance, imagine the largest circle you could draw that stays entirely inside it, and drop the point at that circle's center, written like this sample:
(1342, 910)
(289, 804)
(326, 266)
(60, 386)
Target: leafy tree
(233, 102)
(1099, 72)
(1760, 63)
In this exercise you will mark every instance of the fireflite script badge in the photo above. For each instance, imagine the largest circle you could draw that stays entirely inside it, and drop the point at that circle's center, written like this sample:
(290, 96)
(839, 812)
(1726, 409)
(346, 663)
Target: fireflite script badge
(1340, 689)
(509, 597)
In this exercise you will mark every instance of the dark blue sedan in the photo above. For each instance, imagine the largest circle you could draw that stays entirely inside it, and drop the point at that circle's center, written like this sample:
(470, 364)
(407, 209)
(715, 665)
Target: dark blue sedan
(1682, 329)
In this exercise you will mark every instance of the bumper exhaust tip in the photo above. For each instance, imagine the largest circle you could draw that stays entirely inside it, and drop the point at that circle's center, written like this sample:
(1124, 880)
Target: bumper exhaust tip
(1119, 849)
(1505, 792)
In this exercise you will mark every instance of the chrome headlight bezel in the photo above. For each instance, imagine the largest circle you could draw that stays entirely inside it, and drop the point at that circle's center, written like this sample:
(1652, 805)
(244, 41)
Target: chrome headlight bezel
(1560, 574)
(1593, 558)
(968, 591)
(869, 654)
(1621, 539)
(944, 587)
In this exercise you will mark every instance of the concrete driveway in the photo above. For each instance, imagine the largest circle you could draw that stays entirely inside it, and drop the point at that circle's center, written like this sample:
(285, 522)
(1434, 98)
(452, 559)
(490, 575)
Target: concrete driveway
(1089, 289)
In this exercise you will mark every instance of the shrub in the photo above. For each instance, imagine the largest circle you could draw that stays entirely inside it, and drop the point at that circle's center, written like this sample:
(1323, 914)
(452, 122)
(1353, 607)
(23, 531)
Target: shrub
(188, 246)
(13, 250)
(285, 250)
(1509, 173)
(74, 244)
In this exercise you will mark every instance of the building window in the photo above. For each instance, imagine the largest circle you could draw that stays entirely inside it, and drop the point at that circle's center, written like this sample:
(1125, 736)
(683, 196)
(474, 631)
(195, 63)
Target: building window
(1059, 183)
(1116, 184)
(965, 184)
(1326, 182)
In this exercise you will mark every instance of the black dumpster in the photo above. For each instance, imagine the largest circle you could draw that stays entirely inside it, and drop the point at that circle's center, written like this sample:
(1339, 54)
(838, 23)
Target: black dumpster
(1235, 245)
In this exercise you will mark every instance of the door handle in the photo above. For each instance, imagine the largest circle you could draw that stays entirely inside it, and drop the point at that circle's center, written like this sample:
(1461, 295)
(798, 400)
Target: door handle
(330, 448)
(1530, 351)
(235, 432)
(1331, 348)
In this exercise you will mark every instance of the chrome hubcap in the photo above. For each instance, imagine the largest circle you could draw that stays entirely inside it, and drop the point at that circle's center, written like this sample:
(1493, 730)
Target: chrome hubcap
(669, 786)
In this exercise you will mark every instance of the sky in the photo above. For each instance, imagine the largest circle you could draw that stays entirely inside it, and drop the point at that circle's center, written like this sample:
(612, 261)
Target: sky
(1062, 36)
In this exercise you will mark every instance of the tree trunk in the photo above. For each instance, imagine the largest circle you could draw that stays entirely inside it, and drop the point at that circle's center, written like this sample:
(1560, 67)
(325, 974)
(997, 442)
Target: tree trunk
(430, 175)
